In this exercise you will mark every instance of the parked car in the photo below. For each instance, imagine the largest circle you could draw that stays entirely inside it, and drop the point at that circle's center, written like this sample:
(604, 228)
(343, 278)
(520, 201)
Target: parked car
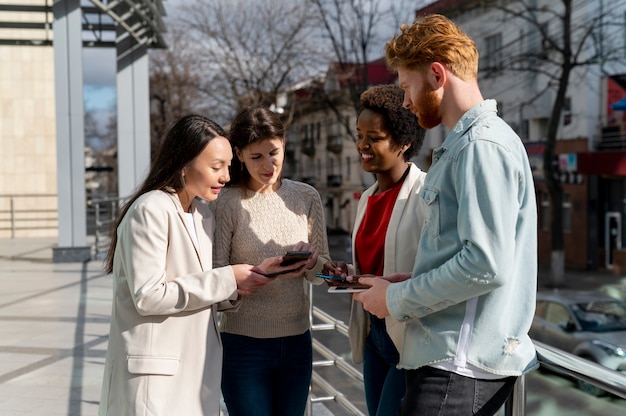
(587, 324)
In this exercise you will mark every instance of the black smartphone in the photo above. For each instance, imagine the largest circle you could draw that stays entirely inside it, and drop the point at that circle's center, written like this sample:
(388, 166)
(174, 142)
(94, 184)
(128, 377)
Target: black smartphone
(292, 257)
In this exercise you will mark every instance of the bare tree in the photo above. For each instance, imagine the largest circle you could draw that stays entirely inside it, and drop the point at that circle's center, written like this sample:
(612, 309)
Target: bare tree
(350, 27)
(92, 132)
(246, 52)
(564, 44)
(174, 81)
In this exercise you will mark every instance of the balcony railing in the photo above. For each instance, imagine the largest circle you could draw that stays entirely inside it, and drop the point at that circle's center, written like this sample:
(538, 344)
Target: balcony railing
(333, 181)
(613, 138)
(334, 143)
(308, 146)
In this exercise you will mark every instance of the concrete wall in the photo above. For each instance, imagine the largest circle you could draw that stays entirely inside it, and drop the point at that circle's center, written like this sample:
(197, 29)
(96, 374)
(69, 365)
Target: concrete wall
(27, 137)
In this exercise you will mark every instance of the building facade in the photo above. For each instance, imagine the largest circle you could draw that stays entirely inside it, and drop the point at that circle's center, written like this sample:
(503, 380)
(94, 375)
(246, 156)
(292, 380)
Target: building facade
(518, 63)
(28, 159)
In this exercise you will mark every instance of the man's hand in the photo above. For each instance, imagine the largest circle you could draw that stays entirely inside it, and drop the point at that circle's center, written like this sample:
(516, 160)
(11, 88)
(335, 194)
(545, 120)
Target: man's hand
(374, 299)
(397, 277)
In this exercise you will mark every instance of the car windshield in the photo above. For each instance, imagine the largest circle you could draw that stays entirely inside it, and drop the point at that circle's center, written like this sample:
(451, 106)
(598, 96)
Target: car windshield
(601, 316)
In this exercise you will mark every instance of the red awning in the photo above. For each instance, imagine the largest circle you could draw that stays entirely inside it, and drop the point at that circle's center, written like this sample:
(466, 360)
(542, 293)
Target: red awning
(602, 163)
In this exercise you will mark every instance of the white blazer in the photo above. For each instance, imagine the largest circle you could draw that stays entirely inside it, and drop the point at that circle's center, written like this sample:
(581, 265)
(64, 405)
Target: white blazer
(401, 241)
(164, 355)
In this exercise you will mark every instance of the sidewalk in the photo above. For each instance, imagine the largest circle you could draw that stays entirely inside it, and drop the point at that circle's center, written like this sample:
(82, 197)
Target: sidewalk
(54, 328)
(54, 324)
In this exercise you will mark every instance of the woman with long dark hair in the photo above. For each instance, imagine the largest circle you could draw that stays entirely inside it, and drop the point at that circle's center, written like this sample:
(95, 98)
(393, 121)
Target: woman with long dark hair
(164, 355)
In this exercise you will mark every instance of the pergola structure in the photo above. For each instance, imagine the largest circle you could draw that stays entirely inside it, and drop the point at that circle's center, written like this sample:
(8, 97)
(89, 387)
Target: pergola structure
(130, 26)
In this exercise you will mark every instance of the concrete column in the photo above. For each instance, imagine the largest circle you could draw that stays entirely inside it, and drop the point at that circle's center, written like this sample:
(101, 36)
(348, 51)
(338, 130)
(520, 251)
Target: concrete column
(68, 73)
(133, 114)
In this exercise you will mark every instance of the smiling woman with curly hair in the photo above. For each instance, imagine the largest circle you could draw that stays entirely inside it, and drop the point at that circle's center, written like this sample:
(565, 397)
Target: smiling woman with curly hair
(386, 233)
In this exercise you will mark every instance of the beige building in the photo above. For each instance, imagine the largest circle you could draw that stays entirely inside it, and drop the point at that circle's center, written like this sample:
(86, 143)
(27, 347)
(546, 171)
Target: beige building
(28, 163)
(42, 158)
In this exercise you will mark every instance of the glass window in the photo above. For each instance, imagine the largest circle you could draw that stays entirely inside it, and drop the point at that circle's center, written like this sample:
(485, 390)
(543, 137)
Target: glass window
(494, 52)
(541, 308)
(567, 212)
(558, 315)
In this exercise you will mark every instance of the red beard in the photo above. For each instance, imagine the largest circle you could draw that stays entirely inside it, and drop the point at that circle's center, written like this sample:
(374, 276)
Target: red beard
(427, 107)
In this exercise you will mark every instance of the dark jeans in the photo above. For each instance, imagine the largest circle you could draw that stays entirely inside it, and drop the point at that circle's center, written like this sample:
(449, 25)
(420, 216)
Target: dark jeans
(434, 392)
(266, 376)
(384, 383)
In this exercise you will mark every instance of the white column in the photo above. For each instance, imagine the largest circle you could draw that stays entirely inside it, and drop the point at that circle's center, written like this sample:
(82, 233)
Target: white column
(68, 73)
(133, 114)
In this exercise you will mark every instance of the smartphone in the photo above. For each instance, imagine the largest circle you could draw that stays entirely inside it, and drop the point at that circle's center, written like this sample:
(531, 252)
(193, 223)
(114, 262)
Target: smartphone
(343, 285)
(346, 289)
(295, 256)
(291, 257)
(335, 278)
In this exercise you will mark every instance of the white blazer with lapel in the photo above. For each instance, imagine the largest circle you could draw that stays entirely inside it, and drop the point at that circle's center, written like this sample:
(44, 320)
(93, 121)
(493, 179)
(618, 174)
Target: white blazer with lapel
(401, 241)
(164, 354)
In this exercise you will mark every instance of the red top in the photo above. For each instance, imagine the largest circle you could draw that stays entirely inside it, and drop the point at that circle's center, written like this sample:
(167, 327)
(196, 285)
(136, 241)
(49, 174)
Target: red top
(370, 238)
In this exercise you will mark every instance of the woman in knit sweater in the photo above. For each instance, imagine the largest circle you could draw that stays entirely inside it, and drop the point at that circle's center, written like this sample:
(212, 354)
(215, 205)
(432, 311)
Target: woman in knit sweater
(386, 233)
(267, 341)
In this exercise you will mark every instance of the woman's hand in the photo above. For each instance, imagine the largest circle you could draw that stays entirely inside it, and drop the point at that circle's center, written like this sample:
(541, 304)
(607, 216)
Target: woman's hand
(302, 246)
(271, 267)
(396, 277)
(336, 269)
(248, 279)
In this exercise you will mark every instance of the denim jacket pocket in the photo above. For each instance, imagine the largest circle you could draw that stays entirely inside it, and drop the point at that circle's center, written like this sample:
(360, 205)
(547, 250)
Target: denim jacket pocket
(431, 221)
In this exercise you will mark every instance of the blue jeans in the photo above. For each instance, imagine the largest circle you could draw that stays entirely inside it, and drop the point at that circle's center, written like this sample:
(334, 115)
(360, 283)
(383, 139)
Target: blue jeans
(266, 376)
(434, 392)
(384, 383)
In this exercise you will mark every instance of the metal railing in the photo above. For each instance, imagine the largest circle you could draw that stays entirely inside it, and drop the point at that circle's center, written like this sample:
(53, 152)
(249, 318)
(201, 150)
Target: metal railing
(553, 359)
(611, 381)
(101, 214)
(28, 212)
(330, 359)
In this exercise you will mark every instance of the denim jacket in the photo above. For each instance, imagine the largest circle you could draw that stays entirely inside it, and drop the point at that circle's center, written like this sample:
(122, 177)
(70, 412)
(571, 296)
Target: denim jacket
(471, 299)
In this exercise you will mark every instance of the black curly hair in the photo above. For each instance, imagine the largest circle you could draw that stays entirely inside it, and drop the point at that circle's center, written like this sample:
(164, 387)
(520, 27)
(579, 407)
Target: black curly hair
(386, 100)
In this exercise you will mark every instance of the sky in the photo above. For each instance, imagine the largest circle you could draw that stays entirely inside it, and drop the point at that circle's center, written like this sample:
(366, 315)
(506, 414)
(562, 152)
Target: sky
(99, 69)
(99, 78)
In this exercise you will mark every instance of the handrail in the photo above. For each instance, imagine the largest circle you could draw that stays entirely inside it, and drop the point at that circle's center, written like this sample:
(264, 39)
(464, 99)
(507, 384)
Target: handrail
(331, 359)
(560, 361)
(552, 358)
(32, 214)
(104, 211)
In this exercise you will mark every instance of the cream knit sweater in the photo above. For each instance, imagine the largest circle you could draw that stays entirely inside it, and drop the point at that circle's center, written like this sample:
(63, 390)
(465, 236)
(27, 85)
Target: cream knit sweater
(251, 227)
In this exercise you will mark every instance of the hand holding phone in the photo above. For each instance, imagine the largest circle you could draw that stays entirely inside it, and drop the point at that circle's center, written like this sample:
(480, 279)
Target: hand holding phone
(338, 281)
(346, 289)
(332, 278)
(292, 257)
